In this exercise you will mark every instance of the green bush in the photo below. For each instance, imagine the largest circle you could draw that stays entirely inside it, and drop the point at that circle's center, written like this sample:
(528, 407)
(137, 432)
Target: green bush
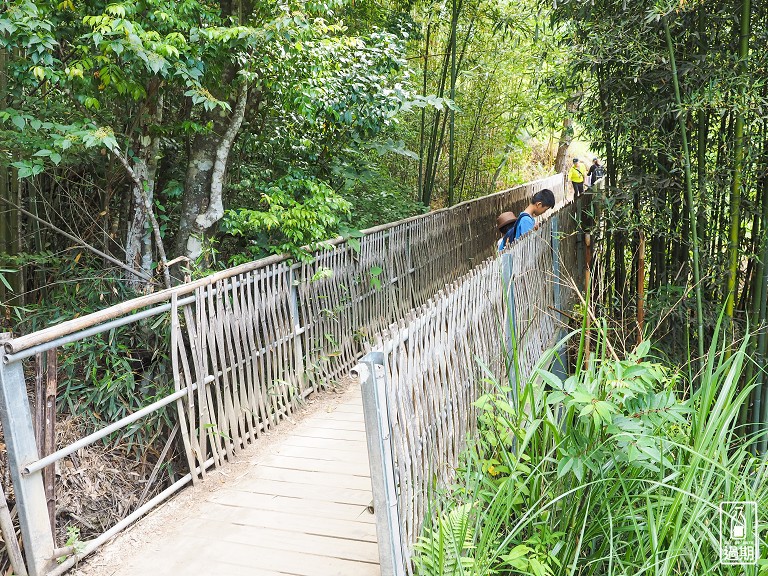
(608, 472)
(110, 375)
(295, 211)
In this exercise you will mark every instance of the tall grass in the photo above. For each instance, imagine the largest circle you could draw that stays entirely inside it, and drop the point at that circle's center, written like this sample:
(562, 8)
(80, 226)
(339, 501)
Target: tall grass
(612, 471)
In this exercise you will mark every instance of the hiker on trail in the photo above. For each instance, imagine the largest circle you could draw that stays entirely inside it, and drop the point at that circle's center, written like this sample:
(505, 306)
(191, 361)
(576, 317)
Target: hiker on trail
(512, 227)
(576, 175)
(596, 171)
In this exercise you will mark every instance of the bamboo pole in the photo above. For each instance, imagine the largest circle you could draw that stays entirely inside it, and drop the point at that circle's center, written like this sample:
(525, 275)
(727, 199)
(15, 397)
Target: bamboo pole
(738, 170)
(689, 195)
(422, 128)
(452, 112)
(9, 536)
(760, 406)
(640, 287)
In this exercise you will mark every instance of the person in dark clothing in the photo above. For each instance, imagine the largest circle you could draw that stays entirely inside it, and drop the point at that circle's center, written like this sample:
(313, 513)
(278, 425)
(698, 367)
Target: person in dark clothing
(596, 171)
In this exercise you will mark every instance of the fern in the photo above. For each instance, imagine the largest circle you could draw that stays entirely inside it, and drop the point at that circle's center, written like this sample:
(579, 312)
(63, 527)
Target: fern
(446, 548)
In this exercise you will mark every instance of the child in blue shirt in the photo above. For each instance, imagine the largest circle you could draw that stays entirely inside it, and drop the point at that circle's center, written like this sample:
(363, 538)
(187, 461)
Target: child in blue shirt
(511, 228)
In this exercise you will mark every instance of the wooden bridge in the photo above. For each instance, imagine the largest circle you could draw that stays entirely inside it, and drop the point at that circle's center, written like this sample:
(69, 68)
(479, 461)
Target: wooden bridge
(247, 347)
(301, 506)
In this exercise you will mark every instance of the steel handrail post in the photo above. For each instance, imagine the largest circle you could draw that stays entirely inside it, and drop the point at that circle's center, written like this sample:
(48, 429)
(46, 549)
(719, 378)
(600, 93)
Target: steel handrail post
(31, 502)
(383, 484)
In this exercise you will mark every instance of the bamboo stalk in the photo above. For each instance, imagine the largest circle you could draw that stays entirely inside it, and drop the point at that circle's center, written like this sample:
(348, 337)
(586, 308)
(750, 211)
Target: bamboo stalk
(422, 128)
(640, 287)
(689, 196)
(451, 112)
(738, 170)
(9, 536)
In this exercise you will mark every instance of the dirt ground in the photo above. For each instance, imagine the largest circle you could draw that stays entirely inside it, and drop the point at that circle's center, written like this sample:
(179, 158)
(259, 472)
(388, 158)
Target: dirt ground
(106, 560)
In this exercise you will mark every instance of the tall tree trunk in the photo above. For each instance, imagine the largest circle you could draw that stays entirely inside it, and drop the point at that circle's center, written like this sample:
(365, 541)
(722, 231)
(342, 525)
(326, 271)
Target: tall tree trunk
(440, 122)
(566, 137)
(9, 216)
(422, 128)
(138, 243)
(203, 202)
(760, 394)
(433, 149)
(689, 195)
(473, 138)
(452, 112)
(759, 288)
(702, 140)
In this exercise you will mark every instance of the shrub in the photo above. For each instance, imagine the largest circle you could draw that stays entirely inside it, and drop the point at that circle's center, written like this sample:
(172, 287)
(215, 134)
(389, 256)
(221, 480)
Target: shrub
(608, 472)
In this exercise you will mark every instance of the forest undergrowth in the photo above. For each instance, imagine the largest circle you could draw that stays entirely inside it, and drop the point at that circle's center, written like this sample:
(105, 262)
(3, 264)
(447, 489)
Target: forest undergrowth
(618, 469)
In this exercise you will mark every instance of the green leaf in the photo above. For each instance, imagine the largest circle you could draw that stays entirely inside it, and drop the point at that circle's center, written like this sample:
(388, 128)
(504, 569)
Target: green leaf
(3, 279)
(550, 379)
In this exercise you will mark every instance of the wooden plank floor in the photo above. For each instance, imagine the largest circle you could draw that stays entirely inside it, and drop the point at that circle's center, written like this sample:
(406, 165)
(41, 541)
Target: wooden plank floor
(301, 510)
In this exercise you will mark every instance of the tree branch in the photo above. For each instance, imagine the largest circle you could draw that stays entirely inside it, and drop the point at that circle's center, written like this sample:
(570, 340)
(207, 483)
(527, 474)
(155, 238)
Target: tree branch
(78, 241)
(150, 214)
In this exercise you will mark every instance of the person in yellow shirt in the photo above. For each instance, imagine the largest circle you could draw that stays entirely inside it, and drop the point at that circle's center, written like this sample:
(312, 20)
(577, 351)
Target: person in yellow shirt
(576, 176)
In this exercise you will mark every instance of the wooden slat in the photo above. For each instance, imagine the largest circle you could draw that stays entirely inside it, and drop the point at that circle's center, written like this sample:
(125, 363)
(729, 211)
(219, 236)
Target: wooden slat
(314, 442)
(284, 538)
(289, 505)
(310, 524)
(281, 471)
(176, 343)
(359, 469)
(328, 452)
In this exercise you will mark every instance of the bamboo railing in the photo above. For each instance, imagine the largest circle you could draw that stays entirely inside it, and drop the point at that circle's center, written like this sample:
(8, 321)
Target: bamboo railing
(420, 381)
(248, 343)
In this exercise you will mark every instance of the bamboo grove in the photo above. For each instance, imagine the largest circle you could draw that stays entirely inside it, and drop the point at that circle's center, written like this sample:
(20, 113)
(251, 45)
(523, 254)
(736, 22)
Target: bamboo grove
(675, 95)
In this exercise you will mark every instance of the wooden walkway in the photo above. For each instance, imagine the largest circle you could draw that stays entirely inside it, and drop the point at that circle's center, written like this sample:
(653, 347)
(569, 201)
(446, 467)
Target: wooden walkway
(301, 510)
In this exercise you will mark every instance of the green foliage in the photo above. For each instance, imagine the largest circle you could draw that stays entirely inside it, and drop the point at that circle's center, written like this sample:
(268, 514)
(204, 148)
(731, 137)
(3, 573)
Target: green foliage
(110, 375)
(296, 213)
(3, 279)
(608, 472)
(376, 199)
(440, 551)
(74, 540)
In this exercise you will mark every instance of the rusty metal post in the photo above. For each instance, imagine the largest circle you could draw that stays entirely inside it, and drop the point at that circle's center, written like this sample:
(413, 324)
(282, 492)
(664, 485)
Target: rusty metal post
(45, 421)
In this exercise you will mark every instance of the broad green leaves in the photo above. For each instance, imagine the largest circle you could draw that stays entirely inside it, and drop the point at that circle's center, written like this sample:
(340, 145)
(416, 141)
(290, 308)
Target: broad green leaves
(623, 409)
(296, 212)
